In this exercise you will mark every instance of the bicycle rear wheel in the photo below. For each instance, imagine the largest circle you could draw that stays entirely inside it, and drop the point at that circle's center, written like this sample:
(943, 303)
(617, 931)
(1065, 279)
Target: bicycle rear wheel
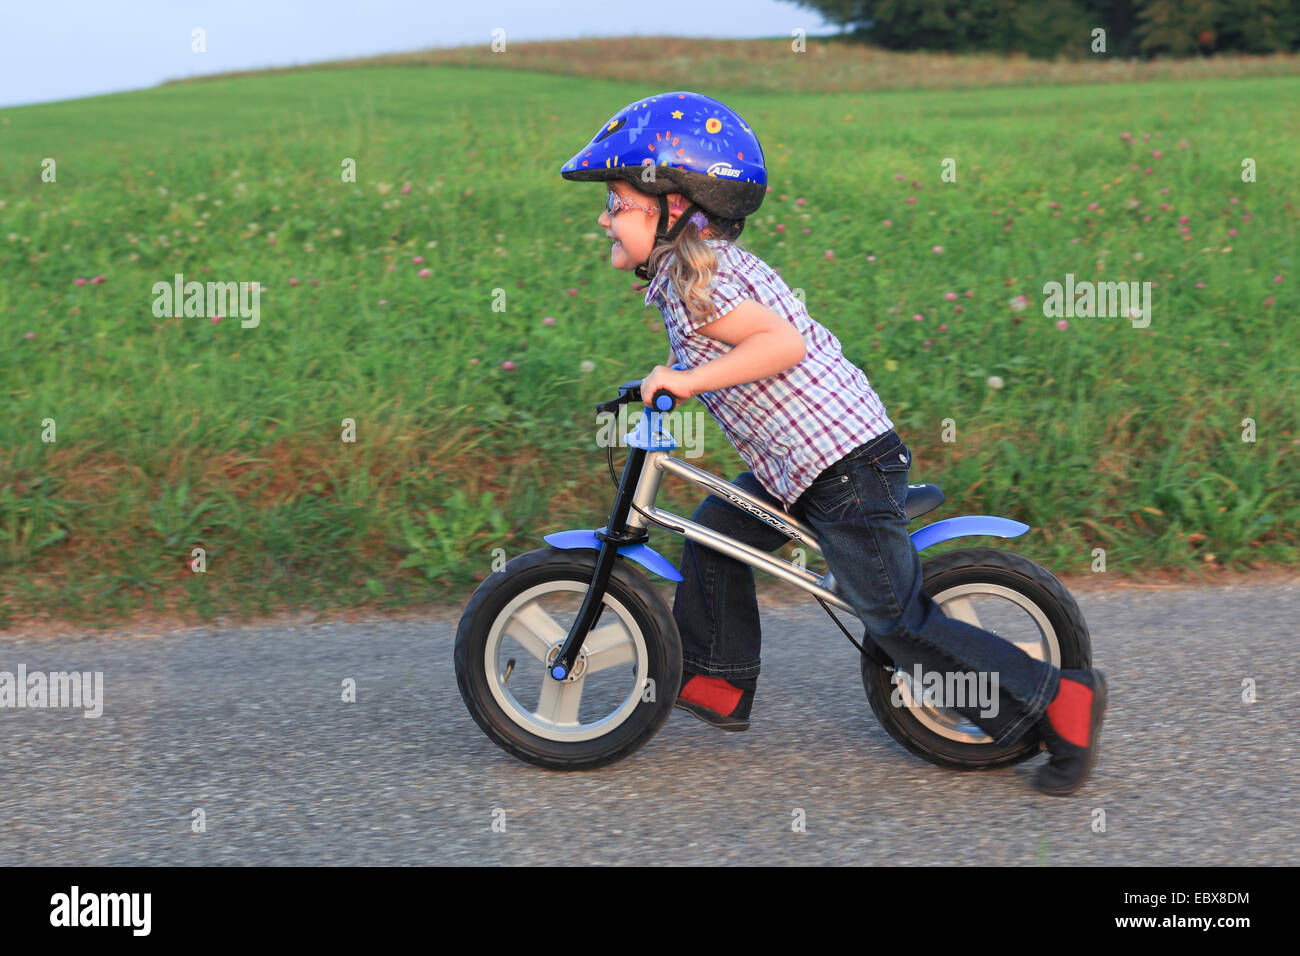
(1002, 592)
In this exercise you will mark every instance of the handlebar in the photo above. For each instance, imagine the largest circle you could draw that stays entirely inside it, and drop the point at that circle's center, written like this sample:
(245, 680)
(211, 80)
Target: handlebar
(662, 401)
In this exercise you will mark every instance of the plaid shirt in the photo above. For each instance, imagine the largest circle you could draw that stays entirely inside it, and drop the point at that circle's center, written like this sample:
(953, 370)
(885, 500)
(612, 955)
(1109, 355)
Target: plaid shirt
(793, 425)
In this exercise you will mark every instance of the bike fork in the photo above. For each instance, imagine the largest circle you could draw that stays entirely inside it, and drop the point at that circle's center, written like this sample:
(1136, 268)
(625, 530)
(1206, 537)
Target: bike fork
(613, 536)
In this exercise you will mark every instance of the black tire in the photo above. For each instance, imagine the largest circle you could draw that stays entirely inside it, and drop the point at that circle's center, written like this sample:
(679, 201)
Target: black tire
(915, 729)
(631, 607)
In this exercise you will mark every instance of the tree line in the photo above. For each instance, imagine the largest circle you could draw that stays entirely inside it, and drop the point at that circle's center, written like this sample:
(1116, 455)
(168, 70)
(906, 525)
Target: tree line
(1069, 28)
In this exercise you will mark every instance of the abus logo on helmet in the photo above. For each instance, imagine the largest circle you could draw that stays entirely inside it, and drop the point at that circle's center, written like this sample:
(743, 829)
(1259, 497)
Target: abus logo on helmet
(723, 169)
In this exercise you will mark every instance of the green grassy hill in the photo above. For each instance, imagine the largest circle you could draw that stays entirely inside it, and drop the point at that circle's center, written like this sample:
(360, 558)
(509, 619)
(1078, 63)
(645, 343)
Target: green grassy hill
(174, 432)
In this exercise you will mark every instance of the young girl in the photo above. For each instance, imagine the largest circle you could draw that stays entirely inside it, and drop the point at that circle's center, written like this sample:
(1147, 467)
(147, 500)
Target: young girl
(682, 173)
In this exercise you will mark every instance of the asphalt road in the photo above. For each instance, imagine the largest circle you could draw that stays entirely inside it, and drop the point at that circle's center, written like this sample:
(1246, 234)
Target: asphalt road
(248, 725)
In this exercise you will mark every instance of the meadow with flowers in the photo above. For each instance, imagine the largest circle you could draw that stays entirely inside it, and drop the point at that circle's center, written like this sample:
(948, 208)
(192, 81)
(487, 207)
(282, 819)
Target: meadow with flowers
(456, 303)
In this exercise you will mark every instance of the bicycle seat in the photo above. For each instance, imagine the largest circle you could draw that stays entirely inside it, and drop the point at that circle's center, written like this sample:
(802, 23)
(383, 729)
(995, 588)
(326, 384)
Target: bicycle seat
(922, 499)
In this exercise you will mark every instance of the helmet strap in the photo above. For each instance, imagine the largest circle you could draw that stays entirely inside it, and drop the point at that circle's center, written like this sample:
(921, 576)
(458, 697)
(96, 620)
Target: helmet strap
(661, 236)
(681, 222)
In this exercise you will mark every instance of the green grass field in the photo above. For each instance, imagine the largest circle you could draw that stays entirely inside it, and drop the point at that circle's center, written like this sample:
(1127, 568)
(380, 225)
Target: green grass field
(175, 433)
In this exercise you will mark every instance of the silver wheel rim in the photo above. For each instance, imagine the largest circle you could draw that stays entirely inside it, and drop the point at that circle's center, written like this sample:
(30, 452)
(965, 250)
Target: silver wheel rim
(613, 651)
(955, 602)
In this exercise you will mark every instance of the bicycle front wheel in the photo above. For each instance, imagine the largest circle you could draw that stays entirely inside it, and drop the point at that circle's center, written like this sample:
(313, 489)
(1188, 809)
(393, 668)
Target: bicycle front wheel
(621, 689)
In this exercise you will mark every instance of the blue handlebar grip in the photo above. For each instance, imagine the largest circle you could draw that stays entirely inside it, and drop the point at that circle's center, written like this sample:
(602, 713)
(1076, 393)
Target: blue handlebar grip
(663, 401)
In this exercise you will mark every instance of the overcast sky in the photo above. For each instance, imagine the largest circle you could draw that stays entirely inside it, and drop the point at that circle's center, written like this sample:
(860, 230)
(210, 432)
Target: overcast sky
(62, 49)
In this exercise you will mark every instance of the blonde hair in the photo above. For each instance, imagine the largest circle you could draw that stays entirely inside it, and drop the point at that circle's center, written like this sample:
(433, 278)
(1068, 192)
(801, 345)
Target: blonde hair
(691, 268)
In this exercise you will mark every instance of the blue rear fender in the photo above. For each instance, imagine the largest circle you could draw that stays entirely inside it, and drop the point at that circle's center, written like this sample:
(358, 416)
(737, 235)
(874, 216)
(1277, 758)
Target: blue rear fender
(964, 526)
(642, 554)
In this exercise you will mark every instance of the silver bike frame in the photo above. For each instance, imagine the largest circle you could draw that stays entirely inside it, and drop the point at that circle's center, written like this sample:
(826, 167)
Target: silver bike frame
(647, 489)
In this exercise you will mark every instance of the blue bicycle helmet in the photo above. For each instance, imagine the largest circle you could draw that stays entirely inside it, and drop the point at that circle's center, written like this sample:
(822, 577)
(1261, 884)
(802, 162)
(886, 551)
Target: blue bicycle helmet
(699, 147)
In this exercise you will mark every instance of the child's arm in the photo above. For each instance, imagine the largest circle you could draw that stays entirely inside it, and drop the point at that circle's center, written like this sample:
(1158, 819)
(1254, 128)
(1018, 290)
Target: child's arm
(763, 344)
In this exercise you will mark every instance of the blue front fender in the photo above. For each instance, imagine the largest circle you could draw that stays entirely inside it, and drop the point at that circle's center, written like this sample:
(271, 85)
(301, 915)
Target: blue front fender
(965, 525)
(646, 556)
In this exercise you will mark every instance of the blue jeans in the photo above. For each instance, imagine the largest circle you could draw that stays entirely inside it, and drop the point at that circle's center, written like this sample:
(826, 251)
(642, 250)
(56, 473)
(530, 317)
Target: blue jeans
(856, 510)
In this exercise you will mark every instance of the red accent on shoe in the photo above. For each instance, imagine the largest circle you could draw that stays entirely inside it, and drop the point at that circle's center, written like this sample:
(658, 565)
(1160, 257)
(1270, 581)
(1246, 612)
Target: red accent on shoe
(1070, 711)
(713, 693)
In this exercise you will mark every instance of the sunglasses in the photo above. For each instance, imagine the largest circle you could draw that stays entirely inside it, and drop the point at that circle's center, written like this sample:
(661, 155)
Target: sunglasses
(614, 203)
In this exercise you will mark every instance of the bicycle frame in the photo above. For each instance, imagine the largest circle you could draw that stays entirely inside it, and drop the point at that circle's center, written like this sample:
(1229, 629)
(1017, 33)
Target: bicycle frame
(627, 530)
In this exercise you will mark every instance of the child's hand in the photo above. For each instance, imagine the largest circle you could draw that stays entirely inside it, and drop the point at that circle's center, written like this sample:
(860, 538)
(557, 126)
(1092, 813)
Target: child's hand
(661, 376)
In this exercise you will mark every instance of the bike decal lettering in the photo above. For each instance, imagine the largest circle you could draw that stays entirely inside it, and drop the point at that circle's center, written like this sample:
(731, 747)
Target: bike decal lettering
(759, 512)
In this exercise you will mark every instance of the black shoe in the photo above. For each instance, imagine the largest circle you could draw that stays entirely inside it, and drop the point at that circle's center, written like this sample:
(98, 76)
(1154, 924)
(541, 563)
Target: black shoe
(1071, 728)
(722, 703)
